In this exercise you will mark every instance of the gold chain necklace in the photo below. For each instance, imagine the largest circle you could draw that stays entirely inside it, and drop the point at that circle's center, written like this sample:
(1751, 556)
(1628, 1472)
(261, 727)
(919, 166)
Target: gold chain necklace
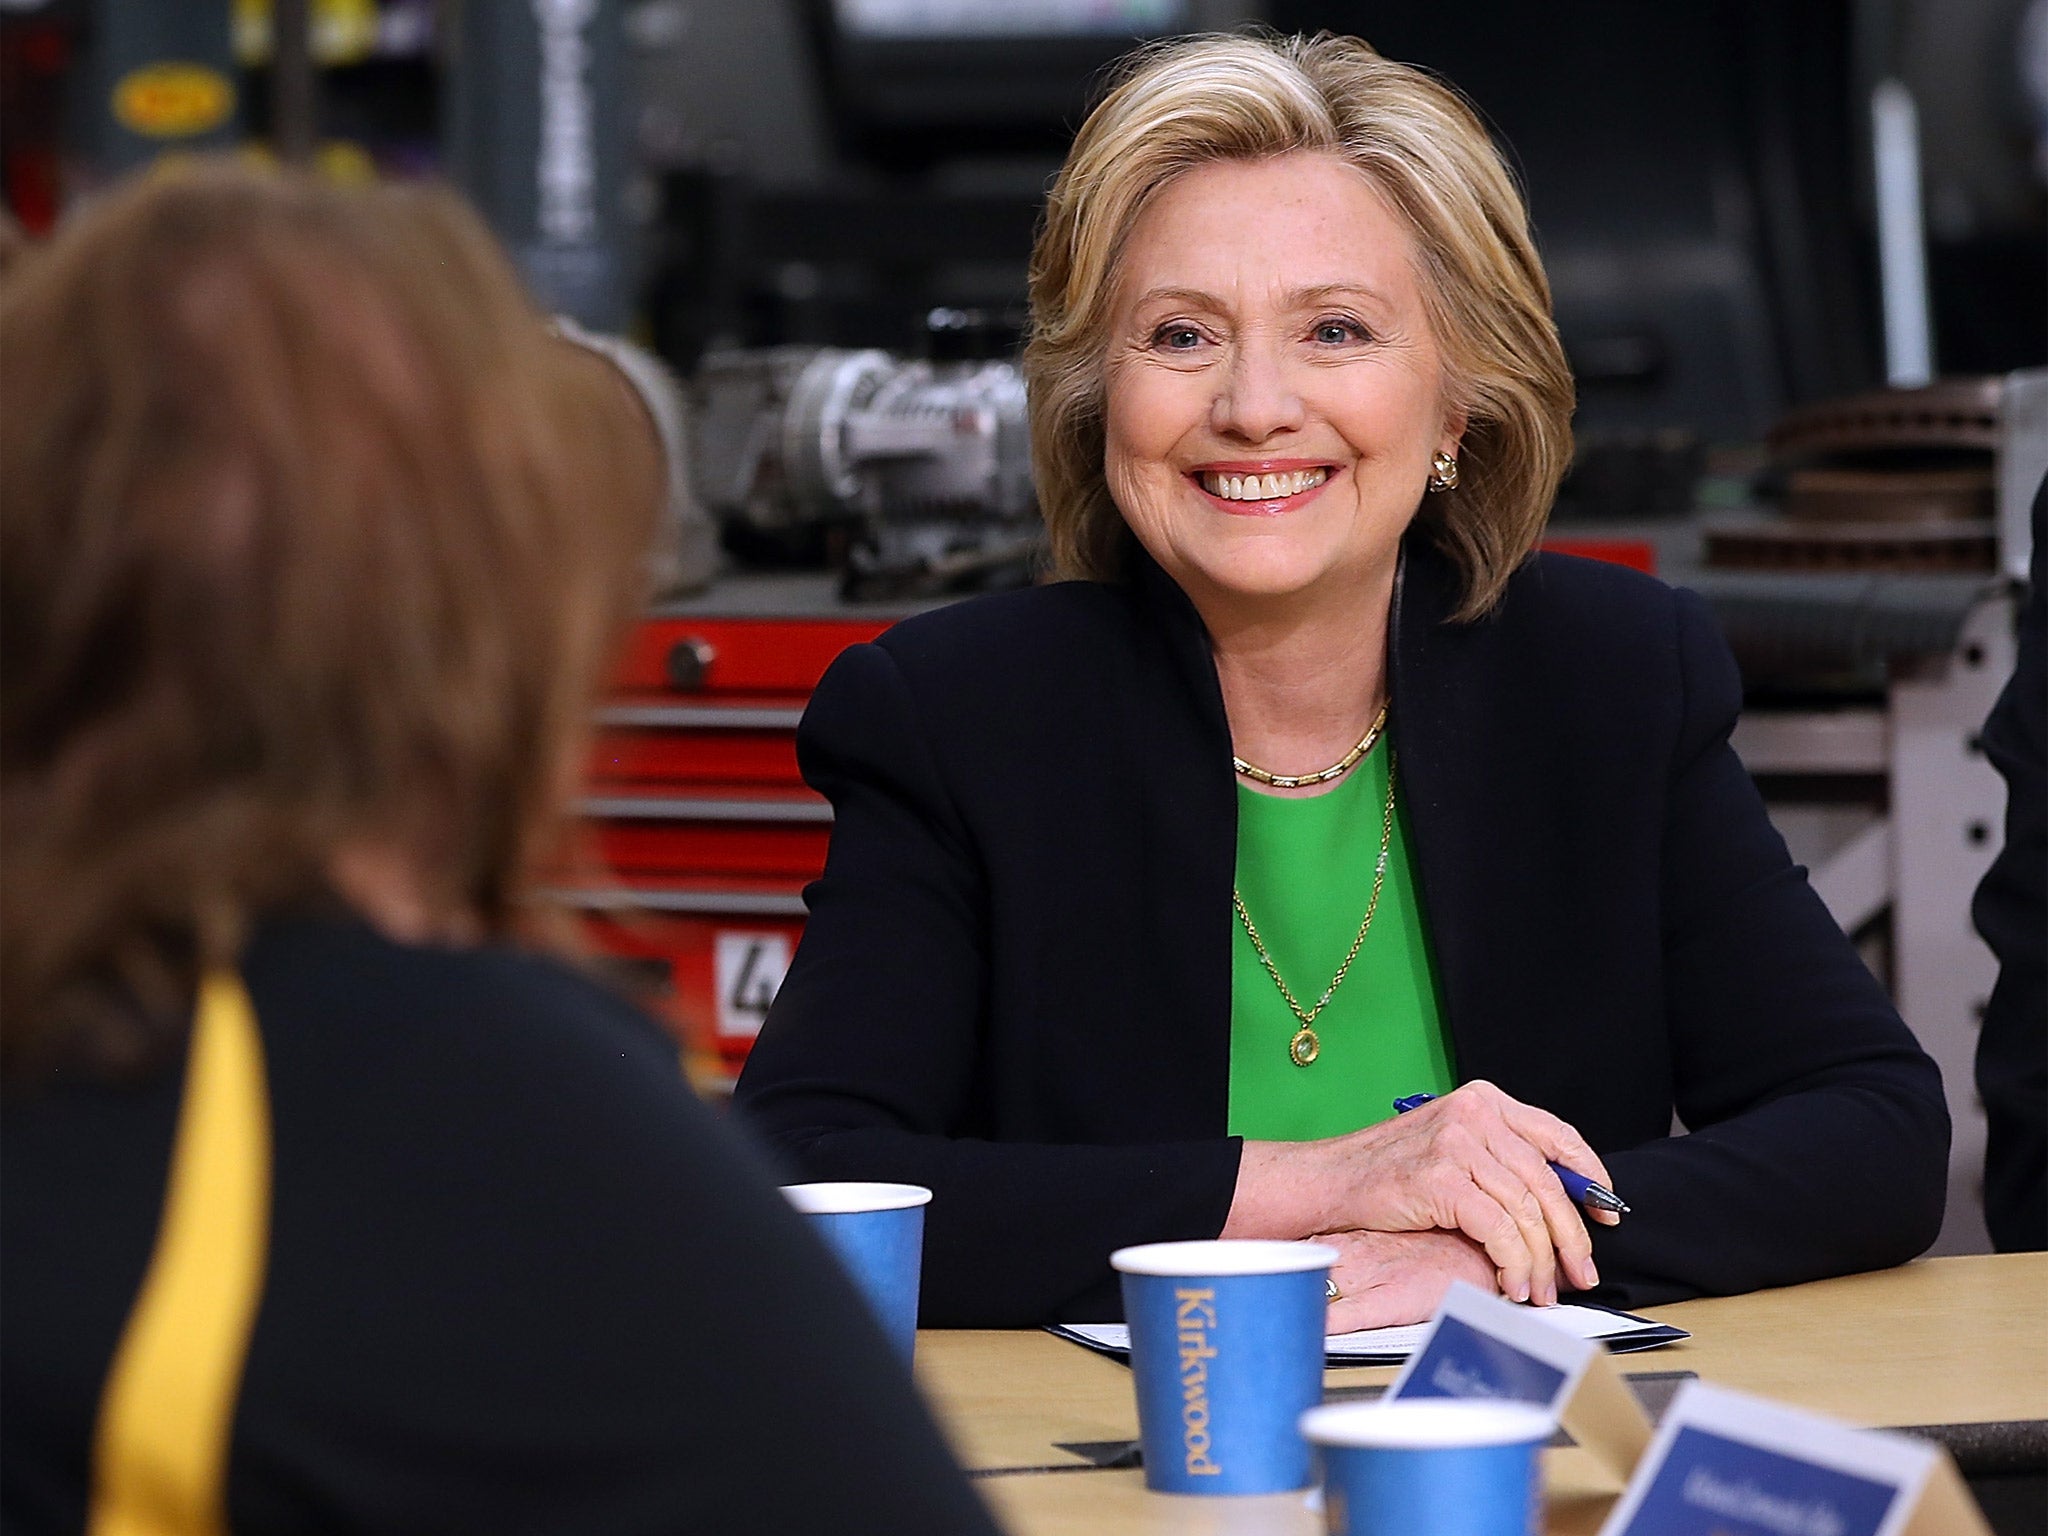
(1305, 1047)
(1338, 769)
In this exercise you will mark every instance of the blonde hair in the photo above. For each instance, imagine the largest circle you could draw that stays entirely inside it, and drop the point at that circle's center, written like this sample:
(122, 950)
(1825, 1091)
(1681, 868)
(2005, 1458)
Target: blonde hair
(1241, 97)
(310, 532)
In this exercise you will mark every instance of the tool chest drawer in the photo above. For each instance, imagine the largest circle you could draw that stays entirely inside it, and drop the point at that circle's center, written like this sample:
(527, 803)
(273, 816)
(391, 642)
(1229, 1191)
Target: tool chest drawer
(702, 830)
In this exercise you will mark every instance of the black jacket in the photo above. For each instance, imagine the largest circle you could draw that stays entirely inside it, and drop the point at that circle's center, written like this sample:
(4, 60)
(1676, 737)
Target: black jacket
(518, 1279)
(2011, 910)
(1015, 982)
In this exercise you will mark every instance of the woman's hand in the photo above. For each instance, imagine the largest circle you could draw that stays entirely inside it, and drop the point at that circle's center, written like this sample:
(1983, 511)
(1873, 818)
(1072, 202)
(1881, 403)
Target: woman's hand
(1475, 1161)
(1388, 1278)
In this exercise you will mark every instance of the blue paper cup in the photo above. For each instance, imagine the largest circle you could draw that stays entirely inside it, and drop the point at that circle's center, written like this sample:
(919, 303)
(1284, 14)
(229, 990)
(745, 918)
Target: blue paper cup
(878, 1232)
(1431, 1467)
(1226, 1353)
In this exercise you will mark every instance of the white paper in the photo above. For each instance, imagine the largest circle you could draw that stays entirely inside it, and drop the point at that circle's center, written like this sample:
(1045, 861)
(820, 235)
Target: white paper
(1401, 1342)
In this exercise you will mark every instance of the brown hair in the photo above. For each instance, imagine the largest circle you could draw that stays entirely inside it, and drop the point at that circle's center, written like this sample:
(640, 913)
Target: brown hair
(1251, 97)
(14, 243)
(309, 533)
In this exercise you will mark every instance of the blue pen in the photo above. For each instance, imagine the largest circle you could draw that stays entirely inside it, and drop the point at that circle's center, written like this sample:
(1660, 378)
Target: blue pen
(1582, 1189)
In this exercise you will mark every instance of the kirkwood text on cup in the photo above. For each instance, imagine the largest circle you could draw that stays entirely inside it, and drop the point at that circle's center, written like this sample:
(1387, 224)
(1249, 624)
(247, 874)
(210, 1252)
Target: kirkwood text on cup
(1195, 1318)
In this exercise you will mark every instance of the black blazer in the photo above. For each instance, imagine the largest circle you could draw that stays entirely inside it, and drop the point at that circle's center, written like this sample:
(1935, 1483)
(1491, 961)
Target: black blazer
(1015, 984)
(2011, 911)
(516, 1278)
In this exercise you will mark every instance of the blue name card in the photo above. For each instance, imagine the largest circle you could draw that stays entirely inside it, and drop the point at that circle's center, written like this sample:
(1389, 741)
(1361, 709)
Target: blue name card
(1481, 1346)
(1726, 1464)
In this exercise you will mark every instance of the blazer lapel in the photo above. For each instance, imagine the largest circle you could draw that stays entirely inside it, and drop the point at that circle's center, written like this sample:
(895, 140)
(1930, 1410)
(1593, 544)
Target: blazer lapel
(1186, 808)
(1451, 730)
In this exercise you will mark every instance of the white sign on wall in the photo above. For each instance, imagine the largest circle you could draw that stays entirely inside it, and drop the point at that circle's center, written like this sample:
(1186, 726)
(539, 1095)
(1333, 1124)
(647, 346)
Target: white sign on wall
(749, 967)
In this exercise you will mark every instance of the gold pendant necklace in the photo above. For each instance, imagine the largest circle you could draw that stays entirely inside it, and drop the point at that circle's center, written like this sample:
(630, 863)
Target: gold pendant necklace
(1338, 769)
(1304, 1048)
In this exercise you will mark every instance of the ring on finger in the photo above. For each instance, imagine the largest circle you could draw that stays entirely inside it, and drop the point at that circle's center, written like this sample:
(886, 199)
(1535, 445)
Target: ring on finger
(1330, 1288)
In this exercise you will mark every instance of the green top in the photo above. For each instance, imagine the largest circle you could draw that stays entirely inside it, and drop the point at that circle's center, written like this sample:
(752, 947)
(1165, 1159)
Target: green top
(1304, 870)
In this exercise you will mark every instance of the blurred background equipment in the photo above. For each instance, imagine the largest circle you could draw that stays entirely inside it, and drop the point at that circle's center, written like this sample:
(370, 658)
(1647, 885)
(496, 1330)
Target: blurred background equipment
(1872, 612)
(828, 172)
(537, 133)
(1892, 480)
(1799, 253)
(685, 553)
(162, 77)
(922, 470)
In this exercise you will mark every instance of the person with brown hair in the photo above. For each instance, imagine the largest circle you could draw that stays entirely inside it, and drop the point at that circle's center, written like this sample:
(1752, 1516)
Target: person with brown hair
(1315, 786)
(331, 1201)
(13, 241)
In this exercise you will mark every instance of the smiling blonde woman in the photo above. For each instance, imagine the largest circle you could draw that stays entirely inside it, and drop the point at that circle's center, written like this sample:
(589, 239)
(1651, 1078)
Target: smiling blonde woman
(1151, 889)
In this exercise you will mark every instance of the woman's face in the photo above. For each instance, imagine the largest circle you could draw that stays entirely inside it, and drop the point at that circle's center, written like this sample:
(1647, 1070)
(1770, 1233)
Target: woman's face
(1273, 390)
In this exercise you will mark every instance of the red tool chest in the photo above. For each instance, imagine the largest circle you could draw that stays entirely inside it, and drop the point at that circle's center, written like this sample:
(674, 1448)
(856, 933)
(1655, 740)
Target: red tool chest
(703, 832)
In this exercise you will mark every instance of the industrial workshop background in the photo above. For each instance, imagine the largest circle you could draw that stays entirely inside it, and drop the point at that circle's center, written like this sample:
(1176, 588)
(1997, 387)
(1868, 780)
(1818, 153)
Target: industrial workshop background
(1801, 267)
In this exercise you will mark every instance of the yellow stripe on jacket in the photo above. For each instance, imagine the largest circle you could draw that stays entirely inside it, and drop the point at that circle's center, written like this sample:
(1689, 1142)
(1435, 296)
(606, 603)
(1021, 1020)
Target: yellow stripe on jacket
(160, 1452)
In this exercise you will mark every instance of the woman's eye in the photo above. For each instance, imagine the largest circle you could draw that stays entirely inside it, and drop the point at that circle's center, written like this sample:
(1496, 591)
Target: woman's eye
(1179, 338)
(1336, 332)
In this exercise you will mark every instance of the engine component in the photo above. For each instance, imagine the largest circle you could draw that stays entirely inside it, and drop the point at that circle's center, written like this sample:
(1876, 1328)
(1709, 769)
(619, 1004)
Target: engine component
(685, 554)
(927, 464)
(1895, 480)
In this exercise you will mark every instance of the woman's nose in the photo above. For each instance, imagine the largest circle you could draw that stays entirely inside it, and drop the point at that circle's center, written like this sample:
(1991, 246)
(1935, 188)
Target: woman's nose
(1257, 398)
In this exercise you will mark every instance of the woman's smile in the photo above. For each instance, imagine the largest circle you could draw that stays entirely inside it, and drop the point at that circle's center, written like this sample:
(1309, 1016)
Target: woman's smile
(1267, 488)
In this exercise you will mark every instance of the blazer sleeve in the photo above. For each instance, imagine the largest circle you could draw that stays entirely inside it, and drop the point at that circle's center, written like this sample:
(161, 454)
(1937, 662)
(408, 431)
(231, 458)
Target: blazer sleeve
(2011, 912)
(1818, 1139)
(868, 1066)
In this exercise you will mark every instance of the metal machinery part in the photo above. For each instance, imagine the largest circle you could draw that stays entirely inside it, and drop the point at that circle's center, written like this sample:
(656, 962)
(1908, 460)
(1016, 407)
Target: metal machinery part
(926, 465)
(685, 554)
(1883, 789)
(1901, 480)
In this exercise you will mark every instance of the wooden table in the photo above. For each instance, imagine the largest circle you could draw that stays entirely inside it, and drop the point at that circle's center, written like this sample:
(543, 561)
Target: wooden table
(1959, 1341)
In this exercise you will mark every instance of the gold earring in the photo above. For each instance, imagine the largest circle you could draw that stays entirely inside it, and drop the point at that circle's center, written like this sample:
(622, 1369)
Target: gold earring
(1443, 472)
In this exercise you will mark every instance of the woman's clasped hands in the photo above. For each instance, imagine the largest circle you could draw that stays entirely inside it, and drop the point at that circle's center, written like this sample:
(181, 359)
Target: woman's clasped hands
(1460, 1188)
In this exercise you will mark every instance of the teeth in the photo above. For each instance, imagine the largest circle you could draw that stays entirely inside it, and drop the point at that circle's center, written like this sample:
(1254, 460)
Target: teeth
(1263, 487)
